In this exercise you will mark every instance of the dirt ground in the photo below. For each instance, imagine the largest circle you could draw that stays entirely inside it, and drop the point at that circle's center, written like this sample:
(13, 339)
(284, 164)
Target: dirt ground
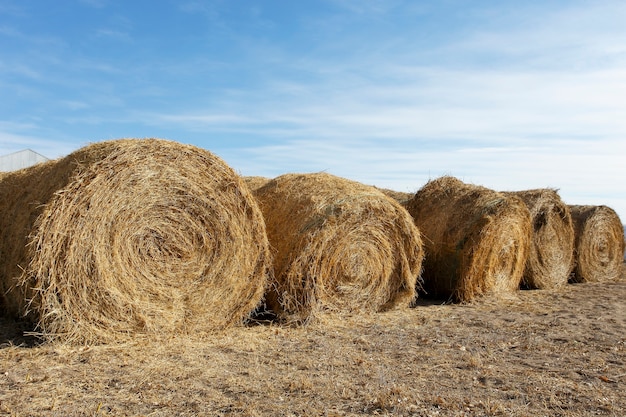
(542, 353)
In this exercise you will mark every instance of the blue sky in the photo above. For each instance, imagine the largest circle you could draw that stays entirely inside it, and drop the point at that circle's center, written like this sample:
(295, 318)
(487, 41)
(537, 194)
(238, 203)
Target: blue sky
(507, 94)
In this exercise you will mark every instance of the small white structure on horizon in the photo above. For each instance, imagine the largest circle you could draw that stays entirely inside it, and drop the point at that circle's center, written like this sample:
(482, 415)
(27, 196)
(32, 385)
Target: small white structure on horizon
(20, 159)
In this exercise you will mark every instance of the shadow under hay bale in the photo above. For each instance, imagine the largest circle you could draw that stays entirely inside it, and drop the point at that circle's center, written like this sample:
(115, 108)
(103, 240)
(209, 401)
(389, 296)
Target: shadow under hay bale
(339, 246)
(130, 236)
(599, 244)
(15, 332)
(476, 240)
(551, 257)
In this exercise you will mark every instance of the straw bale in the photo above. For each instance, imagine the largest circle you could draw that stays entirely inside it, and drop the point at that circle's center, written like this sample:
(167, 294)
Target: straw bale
(476, 239)
(255, 182)
(551, 257)
(599, 247)
(400, 196)
(340, 246)
(130, 236)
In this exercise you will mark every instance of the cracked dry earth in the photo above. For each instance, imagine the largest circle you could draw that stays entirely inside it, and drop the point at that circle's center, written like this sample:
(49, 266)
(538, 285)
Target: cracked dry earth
(541, 353)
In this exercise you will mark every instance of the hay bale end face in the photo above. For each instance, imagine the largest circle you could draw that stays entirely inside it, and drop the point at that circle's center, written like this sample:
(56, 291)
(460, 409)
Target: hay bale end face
(599, 244)
(551, 256)
(476, 239)
(339, 246)
(131, 236)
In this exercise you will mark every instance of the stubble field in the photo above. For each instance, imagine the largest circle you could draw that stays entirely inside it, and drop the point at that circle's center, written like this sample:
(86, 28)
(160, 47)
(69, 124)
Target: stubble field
(541, 353)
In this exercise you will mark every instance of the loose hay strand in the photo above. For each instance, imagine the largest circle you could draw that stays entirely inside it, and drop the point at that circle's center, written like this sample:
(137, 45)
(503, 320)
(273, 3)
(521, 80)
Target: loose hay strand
(599, 247)
(551, 256)
(339, 246)
(127, 236)
(476, 239)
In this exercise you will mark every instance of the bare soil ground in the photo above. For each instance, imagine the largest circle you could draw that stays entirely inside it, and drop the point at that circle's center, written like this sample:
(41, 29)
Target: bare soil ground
(542, 353)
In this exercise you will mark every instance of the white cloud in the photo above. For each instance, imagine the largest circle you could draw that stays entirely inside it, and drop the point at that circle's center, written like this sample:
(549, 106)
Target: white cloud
(74, 104)
(365, 7)
(115, 34)
(534, 99)
(434, 105)
(546, 114)
(586, 172)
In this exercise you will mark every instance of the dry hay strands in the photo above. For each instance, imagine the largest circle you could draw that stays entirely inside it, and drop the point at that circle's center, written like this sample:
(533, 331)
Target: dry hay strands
(255, 182)
(551, 257)
(476, 240)
(400, 196)
(599, 247)
(131, 236)
(339, 246)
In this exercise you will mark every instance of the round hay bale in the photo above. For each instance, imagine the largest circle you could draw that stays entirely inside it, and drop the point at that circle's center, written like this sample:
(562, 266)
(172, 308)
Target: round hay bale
(339, 246)
(131, 236)
(476, 239)
(255, 182)
(599, 247)
(400, 196)
(551, 257)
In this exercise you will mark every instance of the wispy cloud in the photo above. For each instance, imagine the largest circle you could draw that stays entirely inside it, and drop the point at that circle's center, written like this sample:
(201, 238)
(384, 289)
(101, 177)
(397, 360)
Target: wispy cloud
(113, 34)
(395, 96)
(543, 112)
(510, 96)
(431, 104)
(365, 7)
(13, 142)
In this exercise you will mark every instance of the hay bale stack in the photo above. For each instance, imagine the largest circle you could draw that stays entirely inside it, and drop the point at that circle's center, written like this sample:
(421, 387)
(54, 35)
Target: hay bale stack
(550, 261)
(340, 246)
(599, 247)
(476, 239)
(130, 236)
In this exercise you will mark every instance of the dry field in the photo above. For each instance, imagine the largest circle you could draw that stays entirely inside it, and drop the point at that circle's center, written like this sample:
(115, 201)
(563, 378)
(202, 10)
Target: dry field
(542, 353)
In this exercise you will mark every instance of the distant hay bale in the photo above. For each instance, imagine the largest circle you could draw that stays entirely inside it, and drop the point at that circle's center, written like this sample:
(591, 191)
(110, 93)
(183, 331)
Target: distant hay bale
(599, 247)
(339, 246)
(130, 236)
(399, 196)
(255, 182)
(550, 261)
(476, 239)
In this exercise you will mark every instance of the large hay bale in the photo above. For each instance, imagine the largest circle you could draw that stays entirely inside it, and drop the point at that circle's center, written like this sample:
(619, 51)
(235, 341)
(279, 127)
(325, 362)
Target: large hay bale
(128, 236)
(339, 246)
(476, 239)
(599, 247)
(551, 257)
